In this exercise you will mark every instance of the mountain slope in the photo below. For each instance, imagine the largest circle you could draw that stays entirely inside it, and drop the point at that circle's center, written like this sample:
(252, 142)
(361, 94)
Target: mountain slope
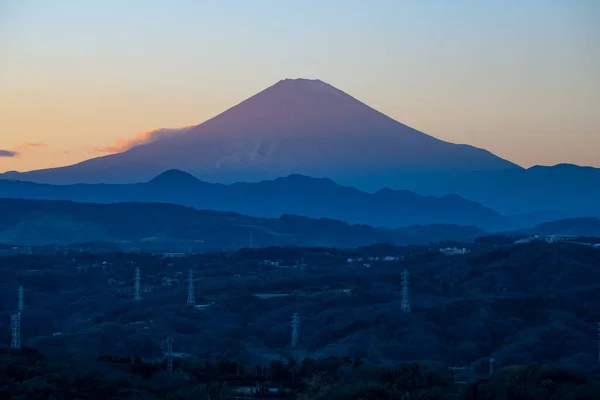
(295, 194)
(168, 226)
(570, 190)
(569, 227)
(296, 126)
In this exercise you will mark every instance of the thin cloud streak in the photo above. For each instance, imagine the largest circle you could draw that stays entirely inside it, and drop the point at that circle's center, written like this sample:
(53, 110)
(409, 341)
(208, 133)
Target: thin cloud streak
(8, 153)
(26, 146)
(120, 145)
(18, 150)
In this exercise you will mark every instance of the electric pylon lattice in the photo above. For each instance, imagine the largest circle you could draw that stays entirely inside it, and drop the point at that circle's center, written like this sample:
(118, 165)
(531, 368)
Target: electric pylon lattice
(138, 277)
(191, 297)
(405, 307)
(15, 325)
(170, 355)
(295, 329)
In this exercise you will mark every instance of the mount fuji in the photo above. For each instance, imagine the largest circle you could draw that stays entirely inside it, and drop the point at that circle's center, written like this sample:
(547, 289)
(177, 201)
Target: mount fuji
(297, 126)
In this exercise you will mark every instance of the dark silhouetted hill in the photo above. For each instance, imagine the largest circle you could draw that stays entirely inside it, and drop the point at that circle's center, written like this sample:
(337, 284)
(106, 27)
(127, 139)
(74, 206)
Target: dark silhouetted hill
(295, 194)
(157, 225)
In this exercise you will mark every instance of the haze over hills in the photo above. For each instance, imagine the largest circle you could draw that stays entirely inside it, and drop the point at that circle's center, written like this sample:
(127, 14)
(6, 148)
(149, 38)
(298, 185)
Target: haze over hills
(296, 126)
(169, 227)
(568, 189)
(571, 227)
(295, 194)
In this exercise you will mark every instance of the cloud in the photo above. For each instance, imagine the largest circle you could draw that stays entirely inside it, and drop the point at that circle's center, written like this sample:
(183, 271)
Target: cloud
(27, 146)
(120, 145)
(18, 150)
(8, 153)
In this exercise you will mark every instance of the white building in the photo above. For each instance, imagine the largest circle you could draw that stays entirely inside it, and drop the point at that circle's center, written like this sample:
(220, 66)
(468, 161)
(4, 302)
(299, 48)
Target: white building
(454, 251)
(558, 238)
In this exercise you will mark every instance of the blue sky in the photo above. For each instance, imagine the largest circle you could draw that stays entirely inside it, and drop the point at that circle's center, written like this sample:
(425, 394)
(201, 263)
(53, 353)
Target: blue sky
(520, 78)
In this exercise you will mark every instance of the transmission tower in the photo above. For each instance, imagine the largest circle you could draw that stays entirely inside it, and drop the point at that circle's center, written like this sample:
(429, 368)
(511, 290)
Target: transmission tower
(170, 354)
(15, 325)
(20, 299)
(191, 297)
(138, 276)
(295, 329)
(405, 294)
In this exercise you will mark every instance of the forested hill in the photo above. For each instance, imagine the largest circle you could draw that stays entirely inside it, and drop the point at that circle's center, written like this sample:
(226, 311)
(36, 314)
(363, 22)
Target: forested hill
(294, 194)
(172, 227)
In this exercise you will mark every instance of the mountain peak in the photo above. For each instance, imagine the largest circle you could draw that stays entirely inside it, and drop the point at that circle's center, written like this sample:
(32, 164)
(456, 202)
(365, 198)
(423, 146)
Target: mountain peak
(175, 176)
(298, 86)
(296, 126)
(299, 108)
(305, 81)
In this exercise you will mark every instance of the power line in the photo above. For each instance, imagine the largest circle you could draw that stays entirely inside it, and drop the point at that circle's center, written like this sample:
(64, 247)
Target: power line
(20, 302)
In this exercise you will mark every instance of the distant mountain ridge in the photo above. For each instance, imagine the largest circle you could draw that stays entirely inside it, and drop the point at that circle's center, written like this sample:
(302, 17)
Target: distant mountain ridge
(571, 190)
(295, 194)
(567, 227)
(297, 126)
(169, 227)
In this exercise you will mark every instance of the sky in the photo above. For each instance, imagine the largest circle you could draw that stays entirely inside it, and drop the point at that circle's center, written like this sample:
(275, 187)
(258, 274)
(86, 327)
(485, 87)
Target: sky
(78, 80)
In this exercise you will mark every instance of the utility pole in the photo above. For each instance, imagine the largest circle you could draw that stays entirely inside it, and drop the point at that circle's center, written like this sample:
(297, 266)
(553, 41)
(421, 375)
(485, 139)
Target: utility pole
(295, 329)
(20, 299)
(191, 297)
(170, 354)
(492, 365)
(15, 325)
(138, 276)
(405, 307)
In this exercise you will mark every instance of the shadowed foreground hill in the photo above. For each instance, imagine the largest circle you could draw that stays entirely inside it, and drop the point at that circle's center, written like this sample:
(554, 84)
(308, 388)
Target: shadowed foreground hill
(156, 225)
(529, 304)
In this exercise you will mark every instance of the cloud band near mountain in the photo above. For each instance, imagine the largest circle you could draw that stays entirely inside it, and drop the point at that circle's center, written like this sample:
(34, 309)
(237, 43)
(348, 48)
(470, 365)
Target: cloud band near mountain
(18, 150)
(120, 145)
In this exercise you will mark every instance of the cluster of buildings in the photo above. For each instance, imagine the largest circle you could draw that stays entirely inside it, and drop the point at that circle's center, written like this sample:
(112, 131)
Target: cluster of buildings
(278, 264)
(454, 251)
(371, 259)
(549, 239)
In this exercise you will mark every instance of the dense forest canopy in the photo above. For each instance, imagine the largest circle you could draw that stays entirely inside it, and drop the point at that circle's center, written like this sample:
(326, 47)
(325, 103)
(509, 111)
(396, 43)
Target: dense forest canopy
(524, 305)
